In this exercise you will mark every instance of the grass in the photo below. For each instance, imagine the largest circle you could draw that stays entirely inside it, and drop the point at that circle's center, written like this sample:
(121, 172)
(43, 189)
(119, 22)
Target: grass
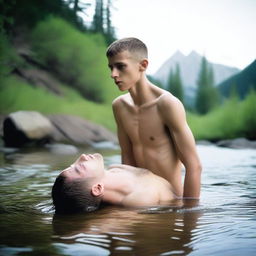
(77, 58)
(231, 120)
(16, 95)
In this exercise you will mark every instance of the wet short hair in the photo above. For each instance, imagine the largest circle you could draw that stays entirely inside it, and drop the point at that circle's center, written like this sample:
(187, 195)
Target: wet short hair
(73, 196)
(130, 44)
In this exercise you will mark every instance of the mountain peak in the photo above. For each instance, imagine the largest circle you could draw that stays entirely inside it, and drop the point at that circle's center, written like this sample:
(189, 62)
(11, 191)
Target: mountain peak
(194, 54)
(189, 69)
(178, 54)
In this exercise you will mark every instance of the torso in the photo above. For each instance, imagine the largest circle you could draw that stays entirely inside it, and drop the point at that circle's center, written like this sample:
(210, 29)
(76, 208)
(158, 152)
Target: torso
(153, 147)
(143, 187)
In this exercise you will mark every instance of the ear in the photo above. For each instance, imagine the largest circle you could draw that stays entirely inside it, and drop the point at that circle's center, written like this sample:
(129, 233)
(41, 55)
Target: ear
(98, 189)
(143, 65)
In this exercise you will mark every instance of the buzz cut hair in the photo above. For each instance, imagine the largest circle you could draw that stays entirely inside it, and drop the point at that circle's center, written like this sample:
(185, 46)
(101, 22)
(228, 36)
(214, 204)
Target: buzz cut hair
(131, 44)
(73, 196)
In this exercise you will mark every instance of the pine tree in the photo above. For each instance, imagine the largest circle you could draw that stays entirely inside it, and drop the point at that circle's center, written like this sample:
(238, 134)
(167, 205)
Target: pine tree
(207, 95)
(175, 84)
(102, 20)
(110, 31)
(98, 19)
(78, 5)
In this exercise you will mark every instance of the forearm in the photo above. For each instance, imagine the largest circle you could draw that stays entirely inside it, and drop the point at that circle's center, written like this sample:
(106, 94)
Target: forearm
(192, 183)
(128, 159)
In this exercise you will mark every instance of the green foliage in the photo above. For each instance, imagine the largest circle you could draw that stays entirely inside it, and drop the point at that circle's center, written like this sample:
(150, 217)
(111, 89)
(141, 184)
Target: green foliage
(78, 5)
(207, 95)
(98, 19)
(248, 115)
(16, 95)
(5, 19)
(102, 20)
(243, 82)
(78, 58)
(8, 57)
(27, 13)
(233, 119)
(155, 81)
(175, 84)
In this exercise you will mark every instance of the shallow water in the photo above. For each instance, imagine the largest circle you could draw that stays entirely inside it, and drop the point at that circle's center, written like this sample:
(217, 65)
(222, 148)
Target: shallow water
(223, 223)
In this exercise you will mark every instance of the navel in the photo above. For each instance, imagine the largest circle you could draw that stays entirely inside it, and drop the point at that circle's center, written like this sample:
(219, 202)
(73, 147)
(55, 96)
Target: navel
(151, 138)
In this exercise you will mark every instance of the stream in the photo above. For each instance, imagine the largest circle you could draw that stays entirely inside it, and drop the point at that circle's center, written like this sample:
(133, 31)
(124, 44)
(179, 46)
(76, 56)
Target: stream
(223, 223)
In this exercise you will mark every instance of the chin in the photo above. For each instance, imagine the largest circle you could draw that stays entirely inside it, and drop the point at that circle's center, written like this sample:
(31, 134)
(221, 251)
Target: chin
(123, 89)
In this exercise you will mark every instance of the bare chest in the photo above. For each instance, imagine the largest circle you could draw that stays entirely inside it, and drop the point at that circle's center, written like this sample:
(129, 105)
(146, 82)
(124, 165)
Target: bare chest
(145, 126)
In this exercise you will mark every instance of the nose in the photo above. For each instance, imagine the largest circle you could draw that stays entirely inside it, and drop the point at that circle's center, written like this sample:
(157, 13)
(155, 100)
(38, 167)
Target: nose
(83, 157)
(114, 73)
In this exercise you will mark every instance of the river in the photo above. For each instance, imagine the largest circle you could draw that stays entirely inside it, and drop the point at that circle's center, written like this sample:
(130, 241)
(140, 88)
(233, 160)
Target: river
(223, 223)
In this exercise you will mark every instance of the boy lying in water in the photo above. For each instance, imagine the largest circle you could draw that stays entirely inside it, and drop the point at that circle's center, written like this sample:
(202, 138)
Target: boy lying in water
(85, 184)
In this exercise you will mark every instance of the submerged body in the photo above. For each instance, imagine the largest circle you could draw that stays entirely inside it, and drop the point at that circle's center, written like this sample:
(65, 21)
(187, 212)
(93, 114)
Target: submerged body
(86, 183)
(140, 187)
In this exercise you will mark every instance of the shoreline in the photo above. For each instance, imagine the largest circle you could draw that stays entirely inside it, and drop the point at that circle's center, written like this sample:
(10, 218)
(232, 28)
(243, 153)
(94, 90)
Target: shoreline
(98, 131)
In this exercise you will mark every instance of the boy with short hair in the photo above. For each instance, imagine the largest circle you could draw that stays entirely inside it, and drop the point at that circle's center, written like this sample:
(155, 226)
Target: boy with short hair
(152, 129)
(85, 184)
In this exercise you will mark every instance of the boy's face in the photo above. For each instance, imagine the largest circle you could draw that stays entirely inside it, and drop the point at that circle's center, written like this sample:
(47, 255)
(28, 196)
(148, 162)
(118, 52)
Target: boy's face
(86, 166)
(125, 70)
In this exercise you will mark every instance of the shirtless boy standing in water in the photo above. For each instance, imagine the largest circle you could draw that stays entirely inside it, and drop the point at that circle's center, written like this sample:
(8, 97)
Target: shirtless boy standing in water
(152, 129)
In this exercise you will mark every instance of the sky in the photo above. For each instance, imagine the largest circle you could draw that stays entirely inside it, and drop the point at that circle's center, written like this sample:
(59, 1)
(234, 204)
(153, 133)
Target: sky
(222, 30)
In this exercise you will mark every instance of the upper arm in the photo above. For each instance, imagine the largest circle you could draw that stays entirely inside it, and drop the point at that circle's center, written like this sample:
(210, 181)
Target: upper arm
(174, 116)
(123, 138)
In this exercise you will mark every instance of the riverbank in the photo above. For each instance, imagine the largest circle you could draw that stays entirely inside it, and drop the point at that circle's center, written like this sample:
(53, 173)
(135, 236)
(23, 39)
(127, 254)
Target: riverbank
(75, 130)
(40, 79)
(23, 128)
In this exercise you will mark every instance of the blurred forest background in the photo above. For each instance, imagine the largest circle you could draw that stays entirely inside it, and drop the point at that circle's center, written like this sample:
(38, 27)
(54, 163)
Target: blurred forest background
(53, 61)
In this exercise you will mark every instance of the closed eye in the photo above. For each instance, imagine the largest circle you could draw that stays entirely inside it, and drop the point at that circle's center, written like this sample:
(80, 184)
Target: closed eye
(77, 169)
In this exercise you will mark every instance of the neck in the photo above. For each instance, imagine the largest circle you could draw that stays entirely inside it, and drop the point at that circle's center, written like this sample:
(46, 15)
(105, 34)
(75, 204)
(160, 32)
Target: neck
(116, 188)
(143, 92)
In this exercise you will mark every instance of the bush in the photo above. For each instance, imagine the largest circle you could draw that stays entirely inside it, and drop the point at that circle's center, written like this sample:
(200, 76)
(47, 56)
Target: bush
(233, 119)
(8, 57)
(17, 95)
(248, 115)
(78, 58)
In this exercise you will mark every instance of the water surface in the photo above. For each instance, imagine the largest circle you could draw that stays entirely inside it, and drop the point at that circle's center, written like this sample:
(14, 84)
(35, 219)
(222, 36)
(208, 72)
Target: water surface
(223, 223)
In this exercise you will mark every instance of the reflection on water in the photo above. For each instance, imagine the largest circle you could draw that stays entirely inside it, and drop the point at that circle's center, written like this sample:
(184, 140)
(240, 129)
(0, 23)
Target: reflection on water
(128, 231)
(222, 223)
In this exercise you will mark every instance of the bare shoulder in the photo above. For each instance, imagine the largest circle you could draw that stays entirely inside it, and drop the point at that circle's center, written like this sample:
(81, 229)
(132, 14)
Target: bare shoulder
(120, 100)
(171, 108)
(167, 100)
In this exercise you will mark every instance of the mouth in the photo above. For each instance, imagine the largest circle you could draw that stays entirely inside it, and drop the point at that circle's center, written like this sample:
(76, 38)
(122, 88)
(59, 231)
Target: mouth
(117, 82)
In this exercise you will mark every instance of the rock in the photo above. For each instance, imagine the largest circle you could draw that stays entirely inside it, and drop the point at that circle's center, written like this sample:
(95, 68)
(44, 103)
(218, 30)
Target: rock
(204, 142)
(73, 129)
(23, 127)
(106, 145)
(8, 150)
(2, 118)
(62, 149)
(238, 143)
